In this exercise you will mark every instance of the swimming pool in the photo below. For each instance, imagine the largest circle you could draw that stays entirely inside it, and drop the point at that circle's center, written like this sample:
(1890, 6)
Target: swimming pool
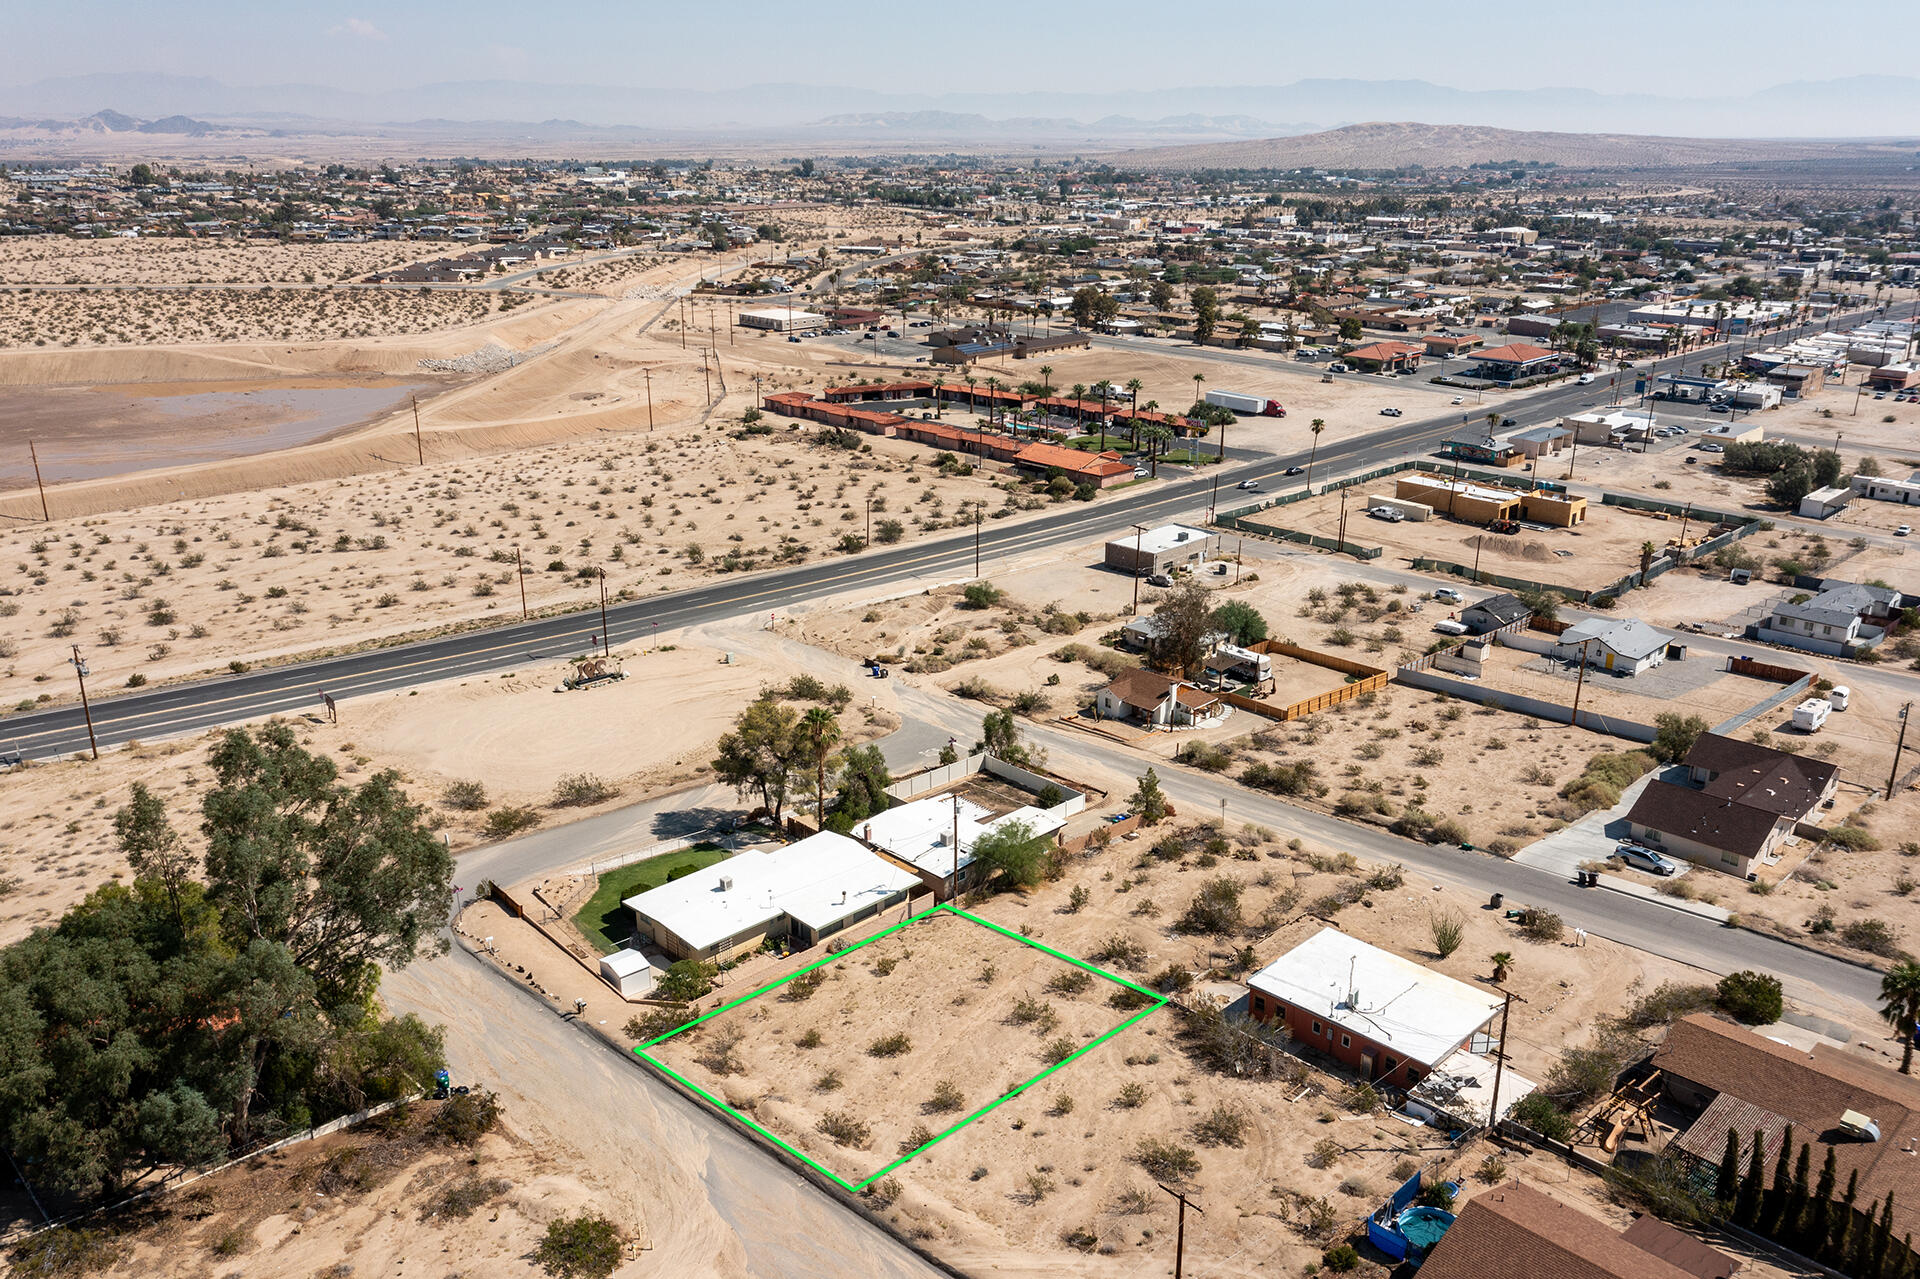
(1423, 1227)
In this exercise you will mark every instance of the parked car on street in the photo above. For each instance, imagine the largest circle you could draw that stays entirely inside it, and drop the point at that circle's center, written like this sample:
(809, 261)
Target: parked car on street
(1446, 595)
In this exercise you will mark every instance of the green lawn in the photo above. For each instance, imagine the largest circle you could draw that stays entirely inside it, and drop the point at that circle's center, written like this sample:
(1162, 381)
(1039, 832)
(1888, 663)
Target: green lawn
(604, 921)
(1190, 456)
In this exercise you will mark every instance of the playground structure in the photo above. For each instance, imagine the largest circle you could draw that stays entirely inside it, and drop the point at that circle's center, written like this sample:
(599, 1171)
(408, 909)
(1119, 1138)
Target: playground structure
(1629, 1109)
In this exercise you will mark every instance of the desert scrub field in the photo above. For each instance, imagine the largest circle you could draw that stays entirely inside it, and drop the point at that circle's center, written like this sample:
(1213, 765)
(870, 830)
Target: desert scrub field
(141, 317)
(47, 259)
(198, 585)
(1294, 1153)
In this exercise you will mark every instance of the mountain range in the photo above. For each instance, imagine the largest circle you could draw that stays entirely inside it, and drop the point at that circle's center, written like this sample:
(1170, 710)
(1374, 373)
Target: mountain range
(1850, 107)
(1397, 145)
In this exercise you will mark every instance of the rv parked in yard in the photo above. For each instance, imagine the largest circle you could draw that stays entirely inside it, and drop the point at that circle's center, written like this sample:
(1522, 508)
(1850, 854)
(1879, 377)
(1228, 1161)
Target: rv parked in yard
(1809, 715)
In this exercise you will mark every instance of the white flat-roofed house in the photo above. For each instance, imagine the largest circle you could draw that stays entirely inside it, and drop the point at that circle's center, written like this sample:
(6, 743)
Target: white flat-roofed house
(805, 892)
(936, 835)
(1390, 1018)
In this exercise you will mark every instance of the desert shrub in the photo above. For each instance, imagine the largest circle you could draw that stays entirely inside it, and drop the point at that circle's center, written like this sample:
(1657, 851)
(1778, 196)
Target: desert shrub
(845, 1128)
(1448, 929)
(1341, 1258)
(1750, 997)
(1605, 776)
(1126, 999)
(1874, 936)
(946, 1098)
(1542, 925)
(504, 823)
(812, 1039)
(1121, 949)
(1131, 1096)
(685, 980)
(1215, 909)
(463, 1120)
(1853, 838)
(1078, 898)
(1221, 1126)
(1238, 1046)
(917, 1137)
(1362, 1099)
(1301, 777)
(1166, 1160)
(1173, 979)
(1538, 1112)
(893, 1045)
(1492, 1170)
(1058, 1050)
(982, 595)
(466, 796)
(1203, 755)
(805, 986)
(1028, 1010)
(459, 1199)
(1666, 1003)
(657, 1021)
(1326, 1153)
(1071, 982)
(583, 1247)
(580, 790)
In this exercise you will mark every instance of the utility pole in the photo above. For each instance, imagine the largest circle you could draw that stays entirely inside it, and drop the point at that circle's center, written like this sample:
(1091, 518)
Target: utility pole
(1342, 539)
(1580, 682)
(80, 669)
(977, 517)
(419, 450)
(869, 521)
(1180, 1228)
(956, 847)
(1500, 1059)
(649, 376)
(706, 373)
(1897, 747)
(38, 483)
(1139, 532)
(521, 574)
(1213, 503)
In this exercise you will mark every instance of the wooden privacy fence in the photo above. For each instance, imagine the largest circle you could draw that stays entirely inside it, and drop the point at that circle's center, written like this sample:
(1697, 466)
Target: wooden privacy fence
(1765, 670)
(1362, 679)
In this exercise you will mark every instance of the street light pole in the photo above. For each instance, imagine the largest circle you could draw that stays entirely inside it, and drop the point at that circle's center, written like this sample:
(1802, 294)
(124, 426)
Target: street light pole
(39, 483)
(80, 669)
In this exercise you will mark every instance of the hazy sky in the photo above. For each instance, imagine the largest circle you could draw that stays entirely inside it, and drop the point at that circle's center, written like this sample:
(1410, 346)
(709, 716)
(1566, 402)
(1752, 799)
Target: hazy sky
(1678, 47)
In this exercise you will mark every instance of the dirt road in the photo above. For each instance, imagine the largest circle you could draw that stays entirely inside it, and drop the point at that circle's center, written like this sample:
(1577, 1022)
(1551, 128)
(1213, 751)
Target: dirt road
(707, 1201)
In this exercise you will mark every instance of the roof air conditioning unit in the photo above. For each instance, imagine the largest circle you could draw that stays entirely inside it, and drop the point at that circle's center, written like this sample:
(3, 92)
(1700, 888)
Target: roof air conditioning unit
(1859, 1127)
(726, 883)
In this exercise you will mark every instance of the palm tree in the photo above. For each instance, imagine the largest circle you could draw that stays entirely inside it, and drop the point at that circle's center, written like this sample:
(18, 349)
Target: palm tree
(1319, 425)
(1198, 378)
(938, 408)
(1101, 388)
(1134, 387)
(1900, 1005)
(1502, 963)
(1046, 380)
(993, 384)
(1079, 393)
(822, 732)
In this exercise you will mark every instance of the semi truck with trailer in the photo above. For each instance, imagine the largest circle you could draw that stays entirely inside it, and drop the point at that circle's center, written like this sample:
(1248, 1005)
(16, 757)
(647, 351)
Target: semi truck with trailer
(1252, 405)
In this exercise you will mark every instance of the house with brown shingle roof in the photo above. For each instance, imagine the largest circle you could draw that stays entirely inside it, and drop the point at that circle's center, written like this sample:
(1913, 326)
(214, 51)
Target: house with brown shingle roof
(1745, 801)
(1157, 701)
(1731, 1077)
(1516, 1232)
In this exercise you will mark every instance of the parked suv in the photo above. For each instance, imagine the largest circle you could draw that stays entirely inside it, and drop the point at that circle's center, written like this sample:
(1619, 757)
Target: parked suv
(1640, 857)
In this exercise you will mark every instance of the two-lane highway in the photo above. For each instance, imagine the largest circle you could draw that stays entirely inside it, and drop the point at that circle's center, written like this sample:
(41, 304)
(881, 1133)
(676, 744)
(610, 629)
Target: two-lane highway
(189, 707)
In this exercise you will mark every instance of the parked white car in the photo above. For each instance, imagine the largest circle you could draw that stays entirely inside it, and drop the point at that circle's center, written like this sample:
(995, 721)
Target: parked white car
(1386, 513)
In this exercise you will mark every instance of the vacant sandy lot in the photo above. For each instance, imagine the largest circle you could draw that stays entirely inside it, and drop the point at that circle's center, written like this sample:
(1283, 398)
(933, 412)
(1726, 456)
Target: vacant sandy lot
(191, 586)
(1061, 1159)
(515, 735)
(50, 259)
(370, 1201)
(1597, 552)
(1698, 686)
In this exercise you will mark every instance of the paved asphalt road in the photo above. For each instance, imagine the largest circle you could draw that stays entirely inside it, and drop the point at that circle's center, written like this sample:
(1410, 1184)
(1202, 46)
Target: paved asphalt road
(201, 704)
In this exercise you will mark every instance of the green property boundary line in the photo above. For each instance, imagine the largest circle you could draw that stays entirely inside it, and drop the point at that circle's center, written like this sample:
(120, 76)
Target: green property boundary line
(855, 1187)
